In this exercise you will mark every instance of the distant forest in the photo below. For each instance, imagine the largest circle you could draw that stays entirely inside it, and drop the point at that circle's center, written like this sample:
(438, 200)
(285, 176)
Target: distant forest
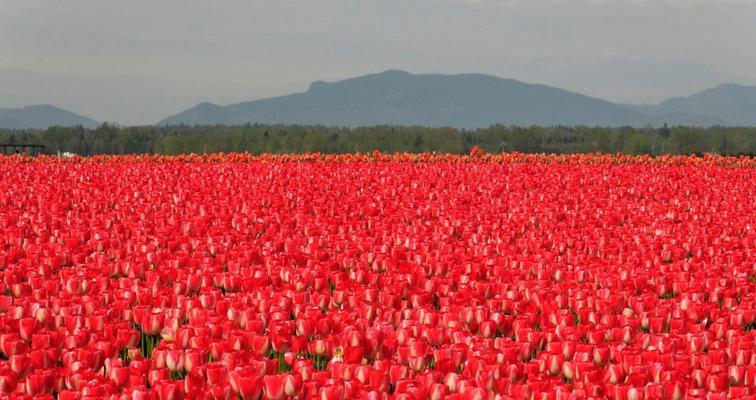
(256, 139)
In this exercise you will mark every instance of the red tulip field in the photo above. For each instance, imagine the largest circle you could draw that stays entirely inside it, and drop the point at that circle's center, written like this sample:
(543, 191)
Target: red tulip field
(377, 276)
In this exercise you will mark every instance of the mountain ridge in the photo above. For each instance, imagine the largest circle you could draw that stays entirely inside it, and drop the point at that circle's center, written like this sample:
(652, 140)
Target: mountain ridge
(41, 116)
(469, 100)
(401, 98)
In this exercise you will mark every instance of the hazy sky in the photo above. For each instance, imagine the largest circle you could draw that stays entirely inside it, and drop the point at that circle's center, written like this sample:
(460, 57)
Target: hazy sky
(136, 62)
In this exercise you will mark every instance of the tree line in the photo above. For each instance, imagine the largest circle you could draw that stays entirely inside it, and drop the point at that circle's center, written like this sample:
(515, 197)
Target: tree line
(256, 139)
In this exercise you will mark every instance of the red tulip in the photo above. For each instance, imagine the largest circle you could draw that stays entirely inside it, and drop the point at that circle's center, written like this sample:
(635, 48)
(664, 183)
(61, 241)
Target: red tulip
(168, 391)
(354, 354)
(332, 392)
(119, 375)
(292, 385)
(193, 383)
(38, 383)
(216, 374)
(157, 375)
(193, 359)
(716, 382)
(305, 327)
(8, 381)
(27, 327)
(19, 363)
(174, 360)
(68, 395)
(614, 374)
(452, 381)
(554, 364)
(152, 323)
(245, 384)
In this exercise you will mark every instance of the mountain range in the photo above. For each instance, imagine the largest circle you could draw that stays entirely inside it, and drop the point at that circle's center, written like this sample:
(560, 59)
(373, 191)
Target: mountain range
(471, 101)
(41, 117)
(462, 101)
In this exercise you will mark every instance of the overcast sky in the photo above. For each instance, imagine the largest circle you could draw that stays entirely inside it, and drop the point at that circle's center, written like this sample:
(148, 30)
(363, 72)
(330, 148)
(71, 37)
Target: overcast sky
(136, 62)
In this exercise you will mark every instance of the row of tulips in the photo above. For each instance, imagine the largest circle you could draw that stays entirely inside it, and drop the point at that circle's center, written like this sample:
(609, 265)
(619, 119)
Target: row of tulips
(476, 155)
(285, 277)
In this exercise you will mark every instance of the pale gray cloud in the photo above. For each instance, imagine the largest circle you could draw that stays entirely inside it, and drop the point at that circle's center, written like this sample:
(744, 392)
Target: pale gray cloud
(139, 61)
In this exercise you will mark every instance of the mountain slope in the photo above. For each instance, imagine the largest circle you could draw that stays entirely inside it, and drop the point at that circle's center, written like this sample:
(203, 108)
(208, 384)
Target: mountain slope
(729, 103)
(41, 117)
(400, 98)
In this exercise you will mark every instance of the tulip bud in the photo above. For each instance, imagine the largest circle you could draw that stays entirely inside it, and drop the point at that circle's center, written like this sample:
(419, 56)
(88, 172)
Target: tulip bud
(292, 385)
(8, 382)
(614, 374)
(568, 370)
(26, 327)
(451, 382)
(554, 363)
(274, 386)
(19, 363)
(167, 390)
(736, 374)
(634, 394)
(716, 382)
(698, 378)
(437, 391)
(119, 376)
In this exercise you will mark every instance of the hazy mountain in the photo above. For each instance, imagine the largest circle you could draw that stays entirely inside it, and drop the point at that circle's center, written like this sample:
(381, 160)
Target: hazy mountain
(462, 101)
(41, 117)
(727, 104)
(400, 98)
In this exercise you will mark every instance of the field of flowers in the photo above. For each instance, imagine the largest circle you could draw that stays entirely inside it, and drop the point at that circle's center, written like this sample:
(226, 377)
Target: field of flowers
(378, 276)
